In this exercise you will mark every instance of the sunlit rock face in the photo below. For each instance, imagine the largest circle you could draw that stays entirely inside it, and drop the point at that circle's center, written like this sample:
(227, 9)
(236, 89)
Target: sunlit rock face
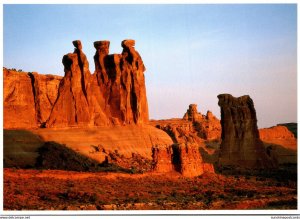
(121, 80)
(28, 98)
(114, 95)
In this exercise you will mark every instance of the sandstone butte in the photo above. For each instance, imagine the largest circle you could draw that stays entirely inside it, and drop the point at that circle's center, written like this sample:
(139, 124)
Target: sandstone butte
(241, 145)
(114, 96)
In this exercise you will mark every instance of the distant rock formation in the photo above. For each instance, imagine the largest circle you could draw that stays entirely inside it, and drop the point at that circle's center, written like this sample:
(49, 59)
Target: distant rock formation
(292, 126)
(193, 128)
(114, 94)
(207, 126)
(241, 146)
(279, 135)
(28, 98)
(192, 113)
(279, 132)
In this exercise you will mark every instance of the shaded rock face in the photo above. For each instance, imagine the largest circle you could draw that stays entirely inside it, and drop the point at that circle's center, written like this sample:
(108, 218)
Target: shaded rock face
(241, 146)
(28, 98)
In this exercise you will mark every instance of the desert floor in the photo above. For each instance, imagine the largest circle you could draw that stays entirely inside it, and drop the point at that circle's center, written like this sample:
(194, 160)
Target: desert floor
(27, 189)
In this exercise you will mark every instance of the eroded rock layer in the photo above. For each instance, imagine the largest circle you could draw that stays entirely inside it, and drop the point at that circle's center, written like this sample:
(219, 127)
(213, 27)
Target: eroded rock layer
(28, 98)
(162, 158)
(279, 135)
(184, 158)
(71, 107)
(114, 95)
(193, 128)
(187, 159)
(241, 146)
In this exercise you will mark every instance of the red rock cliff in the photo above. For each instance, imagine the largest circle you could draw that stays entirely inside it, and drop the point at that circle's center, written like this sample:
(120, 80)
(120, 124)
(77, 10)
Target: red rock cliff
(114, 94)
(28, 98)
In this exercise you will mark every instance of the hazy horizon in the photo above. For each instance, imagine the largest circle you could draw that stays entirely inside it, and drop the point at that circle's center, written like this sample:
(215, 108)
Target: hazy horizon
(192, 53)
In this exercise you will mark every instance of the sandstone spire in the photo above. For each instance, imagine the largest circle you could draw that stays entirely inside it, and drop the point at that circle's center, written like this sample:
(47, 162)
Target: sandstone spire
(122, 82)
(114, 95)
(241, 146)
(71, 107)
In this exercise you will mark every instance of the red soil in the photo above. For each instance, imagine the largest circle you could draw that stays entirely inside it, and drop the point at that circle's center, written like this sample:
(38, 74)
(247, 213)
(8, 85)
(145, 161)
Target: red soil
(66, 190)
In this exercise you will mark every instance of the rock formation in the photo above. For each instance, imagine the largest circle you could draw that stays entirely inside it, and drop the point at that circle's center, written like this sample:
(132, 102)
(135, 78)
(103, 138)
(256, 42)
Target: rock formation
(192, 113)
(194, 127)
(114, 94)
(122, 82)
(278, 132)
(184, 158)
(187, 159)
(241, 146)
(207, 126)
(162, 158)
(279, 135)
(28, 98)
(72, 107)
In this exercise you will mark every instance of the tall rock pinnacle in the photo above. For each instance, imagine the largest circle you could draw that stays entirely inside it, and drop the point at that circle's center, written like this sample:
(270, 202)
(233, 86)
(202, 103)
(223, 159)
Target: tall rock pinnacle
(122, 82)
(241, 146)
(71, 107)
(114, 94)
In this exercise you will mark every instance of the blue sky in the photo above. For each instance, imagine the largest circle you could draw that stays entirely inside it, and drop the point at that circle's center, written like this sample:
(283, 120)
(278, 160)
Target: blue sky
(192, 52)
